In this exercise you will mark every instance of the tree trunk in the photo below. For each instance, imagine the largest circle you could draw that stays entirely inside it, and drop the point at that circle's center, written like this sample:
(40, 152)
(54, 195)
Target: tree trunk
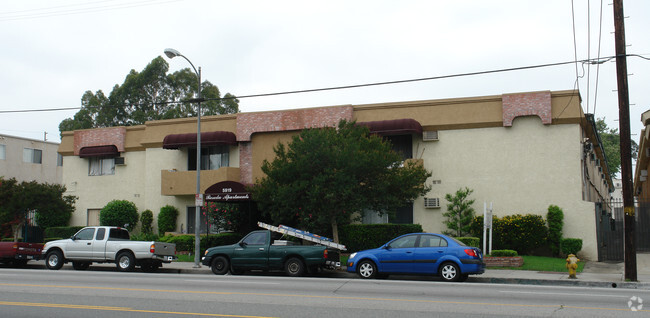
(335, 231)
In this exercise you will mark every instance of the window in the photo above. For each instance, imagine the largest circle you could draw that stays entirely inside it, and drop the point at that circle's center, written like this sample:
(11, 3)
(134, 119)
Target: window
(98, 166)
(212, 158)
(85, 234)
(32, 155)
(432, 241)
(3, 153)
(404, 242)
(257, 238)
(59, 160)
(101, 232)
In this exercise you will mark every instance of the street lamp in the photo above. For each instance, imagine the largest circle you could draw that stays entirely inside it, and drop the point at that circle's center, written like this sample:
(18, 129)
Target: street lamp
(198, 201)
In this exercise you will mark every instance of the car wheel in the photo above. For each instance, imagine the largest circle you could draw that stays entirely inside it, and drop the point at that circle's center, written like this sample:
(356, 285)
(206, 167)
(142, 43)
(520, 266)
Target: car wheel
(367, 269)
(294, 267)
(54, 260)
(125, 262)
(220, 265)
(450, 272)
(80, 266)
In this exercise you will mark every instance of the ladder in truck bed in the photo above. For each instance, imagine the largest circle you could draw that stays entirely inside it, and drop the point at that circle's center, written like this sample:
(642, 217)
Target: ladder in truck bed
(302, 235)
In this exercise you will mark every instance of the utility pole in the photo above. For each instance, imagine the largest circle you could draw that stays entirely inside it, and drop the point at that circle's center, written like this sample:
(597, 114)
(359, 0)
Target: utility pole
(626, 149)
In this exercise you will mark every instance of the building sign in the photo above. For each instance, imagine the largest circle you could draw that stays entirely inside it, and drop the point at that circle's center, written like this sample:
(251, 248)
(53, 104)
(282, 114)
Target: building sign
(227, 191)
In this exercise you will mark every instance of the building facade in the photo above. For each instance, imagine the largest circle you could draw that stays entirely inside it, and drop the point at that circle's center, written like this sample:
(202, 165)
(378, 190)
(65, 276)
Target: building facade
(521, 152)
(30, 160)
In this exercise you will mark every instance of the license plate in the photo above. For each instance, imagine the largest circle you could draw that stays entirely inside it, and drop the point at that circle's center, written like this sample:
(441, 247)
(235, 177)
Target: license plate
(30, 256)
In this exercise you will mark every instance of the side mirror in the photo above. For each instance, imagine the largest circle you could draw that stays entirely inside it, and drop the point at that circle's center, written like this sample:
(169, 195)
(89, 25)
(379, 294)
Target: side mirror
(73, 237)
(242, 244)
(386, 247)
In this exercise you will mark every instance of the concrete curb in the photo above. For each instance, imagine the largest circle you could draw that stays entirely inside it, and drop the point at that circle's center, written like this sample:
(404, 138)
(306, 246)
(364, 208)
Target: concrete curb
(557, 282)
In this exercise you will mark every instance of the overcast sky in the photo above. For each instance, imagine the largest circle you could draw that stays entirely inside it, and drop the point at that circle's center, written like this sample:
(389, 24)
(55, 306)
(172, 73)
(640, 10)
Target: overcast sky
(53, 51)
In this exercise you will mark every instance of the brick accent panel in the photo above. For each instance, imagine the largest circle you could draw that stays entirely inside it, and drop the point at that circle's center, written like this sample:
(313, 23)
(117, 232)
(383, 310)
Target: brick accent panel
(516, 261)
(99, 137)
(526, 104)
(250, 123)
(246, 162)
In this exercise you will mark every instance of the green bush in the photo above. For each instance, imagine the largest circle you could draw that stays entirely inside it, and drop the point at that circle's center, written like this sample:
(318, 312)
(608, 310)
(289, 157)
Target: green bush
(504, 253)
(185, 242)
(146, 220)
(522, 233)
(470, 241)
(11, 239)
(357, 237)
(120, 213)
(144, 237)
(61, 231)
(167, 219)
(555, 220)
(570, 245)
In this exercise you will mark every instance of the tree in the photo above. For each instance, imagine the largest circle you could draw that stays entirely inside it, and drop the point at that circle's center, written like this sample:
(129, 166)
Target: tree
(325, 176)
(51, 206)
(119, 213)
(611, 141)
(146, 220)
(167, 219)
(149, 95)
(460, 213)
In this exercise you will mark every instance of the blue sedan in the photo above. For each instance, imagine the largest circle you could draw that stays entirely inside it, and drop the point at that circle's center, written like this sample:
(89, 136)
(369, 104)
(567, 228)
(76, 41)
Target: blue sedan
(419, 253)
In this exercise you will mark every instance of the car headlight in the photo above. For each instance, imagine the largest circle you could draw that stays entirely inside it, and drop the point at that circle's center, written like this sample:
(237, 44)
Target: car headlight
(352, 255)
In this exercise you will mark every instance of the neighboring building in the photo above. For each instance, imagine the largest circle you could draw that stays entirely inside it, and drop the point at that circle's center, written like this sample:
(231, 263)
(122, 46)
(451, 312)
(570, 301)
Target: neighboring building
(30, 160)
(642, 186)
(522, 152)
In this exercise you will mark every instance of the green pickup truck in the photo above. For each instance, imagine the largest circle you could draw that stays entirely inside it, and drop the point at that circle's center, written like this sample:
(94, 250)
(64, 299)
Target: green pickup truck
(259, 251)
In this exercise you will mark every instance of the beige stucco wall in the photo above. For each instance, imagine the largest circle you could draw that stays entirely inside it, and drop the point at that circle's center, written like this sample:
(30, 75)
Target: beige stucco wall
(518, 169)
(12, 166)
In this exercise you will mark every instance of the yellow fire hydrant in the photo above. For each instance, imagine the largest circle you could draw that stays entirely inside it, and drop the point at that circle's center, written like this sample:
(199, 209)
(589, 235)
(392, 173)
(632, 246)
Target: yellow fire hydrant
(572, 265)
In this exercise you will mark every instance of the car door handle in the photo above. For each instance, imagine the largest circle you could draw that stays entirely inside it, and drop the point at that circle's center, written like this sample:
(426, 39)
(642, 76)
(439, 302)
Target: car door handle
(441, 251)
(409, 252)
(261, 249)
(88, 243)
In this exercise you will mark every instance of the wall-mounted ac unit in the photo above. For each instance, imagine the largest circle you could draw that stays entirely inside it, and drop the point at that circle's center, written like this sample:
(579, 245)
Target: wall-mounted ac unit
(430, 135)
(432, 203)
(119, 161)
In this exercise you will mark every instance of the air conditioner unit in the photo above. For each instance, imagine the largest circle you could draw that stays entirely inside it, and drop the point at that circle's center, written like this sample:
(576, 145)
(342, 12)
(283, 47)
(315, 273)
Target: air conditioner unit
(119, 161)
(432, 203)
(430, 135)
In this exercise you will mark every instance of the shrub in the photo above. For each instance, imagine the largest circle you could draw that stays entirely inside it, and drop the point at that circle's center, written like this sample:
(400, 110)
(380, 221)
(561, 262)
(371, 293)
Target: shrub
(144, 237)
(61, 231)
(185, 242)
(146, 219)
(571, 245)
(522, 233)
(470, 241)
(119, 213)
(504, 253)
(357, 237)
(167, 219)
(555, 220)
(459, 212)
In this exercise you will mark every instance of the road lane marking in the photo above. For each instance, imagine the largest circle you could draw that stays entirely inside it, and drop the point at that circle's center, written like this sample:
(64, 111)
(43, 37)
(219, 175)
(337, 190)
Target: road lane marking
(122, 309)
(313, 296)
(568, 294)
(229, 282)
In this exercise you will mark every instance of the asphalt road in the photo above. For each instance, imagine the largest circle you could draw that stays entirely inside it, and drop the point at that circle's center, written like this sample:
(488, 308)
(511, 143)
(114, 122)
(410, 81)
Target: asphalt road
(66, 293)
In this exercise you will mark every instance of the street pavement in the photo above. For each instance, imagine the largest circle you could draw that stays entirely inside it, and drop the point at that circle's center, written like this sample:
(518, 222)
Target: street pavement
(595, 274)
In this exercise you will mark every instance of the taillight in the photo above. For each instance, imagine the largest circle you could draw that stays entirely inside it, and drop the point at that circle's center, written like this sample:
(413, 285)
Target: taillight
(152, 248)
(15, 246)
(471, 252)
(325, 254)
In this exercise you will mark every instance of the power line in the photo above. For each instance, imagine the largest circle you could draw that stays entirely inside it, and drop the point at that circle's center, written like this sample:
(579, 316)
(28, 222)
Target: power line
(520, 68)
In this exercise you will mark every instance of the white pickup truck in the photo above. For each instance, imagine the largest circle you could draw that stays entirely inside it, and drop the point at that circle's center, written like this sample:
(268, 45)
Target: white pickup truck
(103, 244)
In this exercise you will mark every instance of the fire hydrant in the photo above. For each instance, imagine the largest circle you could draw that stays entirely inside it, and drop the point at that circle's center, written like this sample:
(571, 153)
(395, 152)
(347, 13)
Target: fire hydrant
(572, 265)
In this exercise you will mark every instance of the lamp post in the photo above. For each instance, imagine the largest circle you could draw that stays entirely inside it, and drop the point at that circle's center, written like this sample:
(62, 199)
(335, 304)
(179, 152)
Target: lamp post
(198, 202)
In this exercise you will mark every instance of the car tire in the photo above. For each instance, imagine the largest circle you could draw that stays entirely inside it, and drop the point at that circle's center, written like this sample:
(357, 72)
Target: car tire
(220, 265)
(367, 269)
(80, 266)
(125, 262)
(54, 260)
(449, 272)
(294, 267)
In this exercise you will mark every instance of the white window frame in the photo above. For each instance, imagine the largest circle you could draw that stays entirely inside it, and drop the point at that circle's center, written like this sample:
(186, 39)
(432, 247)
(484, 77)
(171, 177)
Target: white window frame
(101, 166)
(31, 155)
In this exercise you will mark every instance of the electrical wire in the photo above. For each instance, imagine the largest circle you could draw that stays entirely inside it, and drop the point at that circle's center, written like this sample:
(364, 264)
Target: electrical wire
(520, 68)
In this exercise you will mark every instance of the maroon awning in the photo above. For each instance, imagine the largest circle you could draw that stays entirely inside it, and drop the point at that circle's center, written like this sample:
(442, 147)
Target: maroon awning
(394, 127)
(99, 151)
(211, 138)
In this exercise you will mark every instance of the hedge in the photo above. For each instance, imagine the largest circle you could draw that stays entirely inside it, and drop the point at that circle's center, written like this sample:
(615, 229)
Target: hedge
(522, 233)
(61, 231)
(570, 245)
(357, 237)
(504, 253)
(470, 241)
